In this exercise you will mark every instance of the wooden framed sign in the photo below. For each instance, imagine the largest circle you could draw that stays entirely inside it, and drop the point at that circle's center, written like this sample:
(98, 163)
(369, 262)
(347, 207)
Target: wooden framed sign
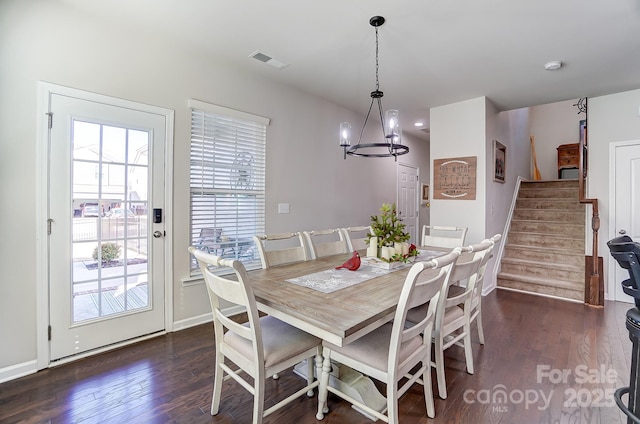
(455, 178)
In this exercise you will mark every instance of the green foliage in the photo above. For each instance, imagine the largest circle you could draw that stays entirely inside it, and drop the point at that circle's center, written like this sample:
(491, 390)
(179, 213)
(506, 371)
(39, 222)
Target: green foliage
(388, 226)
(110, 252)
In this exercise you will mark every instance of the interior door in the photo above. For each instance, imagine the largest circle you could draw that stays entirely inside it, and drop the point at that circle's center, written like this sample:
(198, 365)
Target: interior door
(408, 199)
(627, 206)
(106, 169)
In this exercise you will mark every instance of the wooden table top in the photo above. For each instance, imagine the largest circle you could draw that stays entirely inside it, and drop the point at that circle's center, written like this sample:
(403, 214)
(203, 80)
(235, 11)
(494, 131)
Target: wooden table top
(338, 317)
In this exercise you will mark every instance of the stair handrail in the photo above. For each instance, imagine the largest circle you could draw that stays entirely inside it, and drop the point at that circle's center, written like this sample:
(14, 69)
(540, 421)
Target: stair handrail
(594, 295)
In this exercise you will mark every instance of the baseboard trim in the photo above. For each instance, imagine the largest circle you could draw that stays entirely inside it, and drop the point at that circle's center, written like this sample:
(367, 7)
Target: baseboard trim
(204, 318)
(13, 372)
(18, 370)
(540, 294)
(192, 322)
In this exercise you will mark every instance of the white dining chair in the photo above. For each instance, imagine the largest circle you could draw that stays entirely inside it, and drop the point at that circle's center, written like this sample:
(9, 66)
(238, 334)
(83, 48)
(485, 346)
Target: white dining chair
(261, 347)
(282, 248)
(475, 285)
(452, 324)
(356, 237)
(395, 351)
(323, 243)
(441, 236)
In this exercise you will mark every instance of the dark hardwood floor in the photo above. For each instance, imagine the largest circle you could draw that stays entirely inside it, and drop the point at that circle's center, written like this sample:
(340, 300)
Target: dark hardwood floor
(544, 361)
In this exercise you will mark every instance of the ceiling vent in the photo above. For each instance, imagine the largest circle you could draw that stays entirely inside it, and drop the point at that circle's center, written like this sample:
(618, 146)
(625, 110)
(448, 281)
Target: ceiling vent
(268, 60)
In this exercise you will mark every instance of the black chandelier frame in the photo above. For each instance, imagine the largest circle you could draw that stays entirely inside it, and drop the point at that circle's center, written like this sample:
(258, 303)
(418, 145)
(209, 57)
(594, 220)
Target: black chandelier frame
(382, 149)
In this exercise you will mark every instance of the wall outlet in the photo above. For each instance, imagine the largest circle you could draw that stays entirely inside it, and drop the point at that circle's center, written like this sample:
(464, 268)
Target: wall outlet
(283, 208)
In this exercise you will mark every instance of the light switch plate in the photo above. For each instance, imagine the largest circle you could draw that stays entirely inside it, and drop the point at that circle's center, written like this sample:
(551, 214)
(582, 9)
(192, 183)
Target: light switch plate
(283, 208)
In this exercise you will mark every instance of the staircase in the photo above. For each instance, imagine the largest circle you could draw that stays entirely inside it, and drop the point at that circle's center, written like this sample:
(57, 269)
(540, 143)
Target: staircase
(545, 246)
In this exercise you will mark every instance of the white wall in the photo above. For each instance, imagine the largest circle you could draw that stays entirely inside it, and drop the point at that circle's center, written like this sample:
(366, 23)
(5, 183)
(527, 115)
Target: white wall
(41, 41)
(511, 128)
(554, 124)
(459, 130)
(482, 123)
(611, 119)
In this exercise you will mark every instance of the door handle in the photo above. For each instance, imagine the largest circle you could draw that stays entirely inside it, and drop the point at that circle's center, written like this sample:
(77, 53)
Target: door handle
(623, 231)
(157, 234)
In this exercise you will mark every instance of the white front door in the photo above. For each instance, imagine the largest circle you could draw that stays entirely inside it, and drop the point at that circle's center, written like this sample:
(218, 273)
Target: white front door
(106, 268)
(627, 206)
(408, 199)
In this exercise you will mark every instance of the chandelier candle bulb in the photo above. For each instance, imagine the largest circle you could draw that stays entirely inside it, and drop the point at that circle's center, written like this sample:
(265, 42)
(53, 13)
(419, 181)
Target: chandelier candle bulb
(345, 134)
(392, 122)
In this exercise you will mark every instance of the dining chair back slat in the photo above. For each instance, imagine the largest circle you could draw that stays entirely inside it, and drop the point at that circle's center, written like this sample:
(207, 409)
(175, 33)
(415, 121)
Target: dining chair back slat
(323, 243)
(291, 248)
(442, 236)
(356, 237)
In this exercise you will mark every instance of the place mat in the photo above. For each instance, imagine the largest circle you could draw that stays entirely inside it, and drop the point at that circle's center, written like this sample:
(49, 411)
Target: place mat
(332, 280)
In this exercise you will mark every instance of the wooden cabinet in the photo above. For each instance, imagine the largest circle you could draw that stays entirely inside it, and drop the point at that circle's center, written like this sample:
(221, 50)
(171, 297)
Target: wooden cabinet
(568, 159)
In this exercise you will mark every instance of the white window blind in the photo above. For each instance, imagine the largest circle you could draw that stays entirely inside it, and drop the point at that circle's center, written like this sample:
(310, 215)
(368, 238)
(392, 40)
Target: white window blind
(227, 182)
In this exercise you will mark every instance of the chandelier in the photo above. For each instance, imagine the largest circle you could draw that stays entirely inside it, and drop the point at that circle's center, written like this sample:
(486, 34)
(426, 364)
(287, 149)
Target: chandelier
(391, 144)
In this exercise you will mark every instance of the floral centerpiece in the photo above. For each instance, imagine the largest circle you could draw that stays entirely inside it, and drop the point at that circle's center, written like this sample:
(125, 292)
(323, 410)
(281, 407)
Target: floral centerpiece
(388, 240)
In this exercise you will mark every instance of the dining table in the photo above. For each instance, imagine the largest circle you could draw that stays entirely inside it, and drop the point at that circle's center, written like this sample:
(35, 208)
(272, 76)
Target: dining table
(340, 315)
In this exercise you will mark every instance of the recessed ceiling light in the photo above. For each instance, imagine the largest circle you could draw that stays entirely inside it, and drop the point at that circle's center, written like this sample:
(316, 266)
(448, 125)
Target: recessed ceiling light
(418, 124)
(553, 65)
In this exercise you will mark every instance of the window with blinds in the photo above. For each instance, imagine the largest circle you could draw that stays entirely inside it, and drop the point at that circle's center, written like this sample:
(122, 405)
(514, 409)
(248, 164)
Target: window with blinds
(227, 182)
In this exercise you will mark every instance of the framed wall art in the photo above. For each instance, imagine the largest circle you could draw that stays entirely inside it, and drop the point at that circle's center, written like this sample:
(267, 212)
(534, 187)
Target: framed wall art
(499, 161)
(455, 178)
(425, 193)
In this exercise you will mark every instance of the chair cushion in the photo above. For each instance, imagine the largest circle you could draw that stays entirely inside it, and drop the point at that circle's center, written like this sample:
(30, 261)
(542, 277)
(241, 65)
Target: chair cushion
(280, 340)
(453, 314)
(373, 348)
(415, 315)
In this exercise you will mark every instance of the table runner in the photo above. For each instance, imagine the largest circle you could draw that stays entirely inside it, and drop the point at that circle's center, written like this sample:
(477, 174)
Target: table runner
(333, 279)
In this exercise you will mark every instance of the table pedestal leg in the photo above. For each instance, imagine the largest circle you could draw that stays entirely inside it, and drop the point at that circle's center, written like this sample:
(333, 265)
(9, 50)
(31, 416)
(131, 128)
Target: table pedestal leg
(353, 383)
